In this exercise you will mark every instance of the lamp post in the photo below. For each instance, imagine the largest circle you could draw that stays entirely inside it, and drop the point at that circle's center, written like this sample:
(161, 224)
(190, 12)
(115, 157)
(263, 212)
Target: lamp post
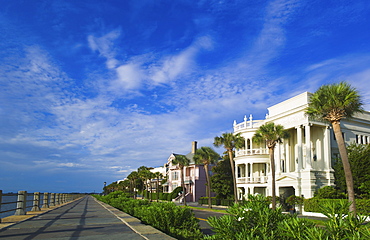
(105, 184)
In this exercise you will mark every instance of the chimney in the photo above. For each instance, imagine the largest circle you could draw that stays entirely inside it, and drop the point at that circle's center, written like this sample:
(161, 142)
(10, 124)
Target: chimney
(194, 146)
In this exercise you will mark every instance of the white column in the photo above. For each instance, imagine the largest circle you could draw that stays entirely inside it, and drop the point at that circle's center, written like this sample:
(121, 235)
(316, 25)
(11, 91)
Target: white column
(308, 146)
(252, 177)
(246, 171)
(327, 149)
(278, 158)
(299, 148)
(251, 145)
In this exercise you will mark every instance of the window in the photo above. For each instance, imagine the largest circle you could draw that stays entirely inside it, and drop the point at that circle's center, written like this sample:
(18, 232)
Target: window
(187, 172)
(175, 176)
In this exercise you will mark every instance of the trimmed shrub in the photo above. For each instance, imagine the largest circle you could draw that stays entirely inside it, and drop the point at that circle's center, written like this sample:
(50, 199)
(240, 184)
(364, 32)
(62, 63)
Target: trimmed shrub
(314, 205)
(175, 193)
(174, 220)
(177, 221)
(164, 196)
(329, 192)
(252, 219)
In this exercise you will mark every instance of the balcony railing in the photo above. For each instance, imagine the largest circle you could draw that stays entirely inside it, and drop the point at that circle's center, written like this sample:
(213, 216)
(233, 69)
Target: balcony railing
(262, 179)
(248, 152)
(247, 124)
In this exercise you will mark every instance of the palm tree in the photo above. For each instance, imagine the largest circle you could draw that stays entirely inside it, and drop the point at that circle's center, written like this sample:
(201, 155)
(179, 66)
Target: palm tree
(181, 161)
(271, 134)
(150, 177)
(132, 177)
(231, 141)
(333, 103)
(206, 156)
(144, 174)
(157, 175)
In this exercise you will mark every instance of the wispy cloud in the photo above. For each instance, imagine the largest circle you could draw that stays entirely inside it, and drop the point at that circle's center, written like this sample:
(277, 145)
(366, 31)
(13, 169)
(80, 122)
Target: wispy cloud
(104, 45)
(116, 102)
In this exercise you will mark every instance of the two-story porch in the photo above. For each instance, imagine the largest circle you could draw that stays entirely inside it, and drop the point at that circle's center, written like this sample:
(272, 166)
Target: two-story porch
(252, 171)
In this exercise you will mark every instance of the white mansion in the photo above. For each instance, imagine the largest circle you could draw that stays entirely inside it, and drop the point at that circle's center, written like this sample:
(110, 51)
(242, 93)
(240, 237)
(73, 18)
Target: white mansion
(304, 160)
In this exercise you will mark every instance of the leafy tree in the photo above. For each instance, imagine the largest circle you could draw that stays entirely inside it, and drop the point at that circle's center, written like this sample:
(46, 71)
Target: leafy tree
(359, 159)
(271, 134)
(230, 142)
(206, 156)
(333, 103)
(329, 192)
(222, 181)
(181, 161)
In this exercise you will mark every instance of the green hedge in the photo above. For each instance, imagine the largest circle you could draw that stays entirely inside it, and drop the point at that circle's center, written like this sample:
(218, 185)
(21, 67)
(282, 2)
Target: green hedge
(174, 220)
(216, 201)
(313, 205)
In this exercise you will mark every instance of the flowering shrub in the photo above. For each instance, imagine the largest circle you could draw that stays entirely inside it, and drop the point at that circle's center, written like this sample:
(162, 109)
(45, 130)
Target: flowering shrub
(252, 219)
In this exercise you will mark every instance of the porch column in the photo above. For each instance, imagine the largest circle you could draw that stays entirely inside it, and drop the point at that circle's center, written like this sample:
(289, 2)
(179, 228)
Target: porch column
(278, 158)
(298, 155)
(252, 177)
(307, 129)
(327, 148)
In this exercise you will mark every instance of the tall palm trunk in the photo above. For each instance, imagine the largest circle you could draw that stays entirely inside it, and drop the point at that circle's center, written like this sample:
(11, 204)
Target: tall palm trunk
(230, 151)
(183, 186)
(346, 165)
(208, 186)
(150, 190)
(157, 189)
(273, 187)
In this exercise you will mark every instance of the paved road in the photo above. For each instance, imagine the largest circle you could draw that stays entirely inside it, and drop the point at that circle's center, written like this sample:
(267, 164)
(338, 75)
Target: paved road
(85, 218)
(202, 216)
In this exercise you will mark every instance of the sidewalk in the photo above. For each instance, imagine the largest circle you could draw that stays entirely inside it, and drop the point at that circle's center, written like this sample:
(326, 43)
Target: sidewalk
(85, 218)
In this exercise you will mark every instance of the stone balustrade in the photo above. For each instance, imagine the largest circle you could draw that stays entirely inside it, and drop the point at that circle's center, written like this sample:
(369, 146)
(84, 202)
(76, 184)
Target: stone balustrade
(39, 201)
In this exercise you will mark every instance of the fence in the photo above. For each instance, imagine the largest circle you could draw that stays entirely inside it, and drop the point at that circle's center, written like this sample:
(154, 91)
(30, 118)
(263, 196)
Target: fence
(39, 201)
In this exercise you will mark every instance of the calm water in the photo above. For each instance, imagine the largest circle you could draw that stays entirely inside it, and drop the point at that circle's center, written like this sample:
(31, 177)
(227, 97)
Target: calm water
(6, 199)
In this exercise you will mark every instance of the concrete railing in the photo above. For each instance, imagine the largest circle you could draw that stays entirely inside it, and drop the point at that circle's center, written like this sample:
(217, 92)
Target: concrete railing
(38, 201)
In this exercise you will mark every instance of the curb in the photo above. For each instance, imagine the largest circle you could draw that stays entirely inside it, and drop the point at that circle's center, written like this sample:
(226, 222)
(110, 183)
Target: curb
(146, 231)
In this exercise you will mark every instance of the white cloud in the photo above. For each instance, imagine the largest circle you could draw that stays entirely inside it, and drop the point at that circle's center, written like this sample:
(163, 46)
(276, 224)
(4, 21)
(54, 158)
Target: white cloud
(105, 46)
(130, 76)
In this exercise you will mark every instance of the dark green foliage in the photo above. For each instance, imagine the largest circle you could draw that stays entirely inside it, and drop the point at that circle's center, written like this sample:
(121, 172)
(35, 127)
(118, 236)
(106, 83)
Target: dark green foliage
(329, 192)
(178, 222)
(164, 196)
(175, 193)
(251, 219)
(314, 205)
(216, 201)
(222, 180)
(294, 200)
(359, 159)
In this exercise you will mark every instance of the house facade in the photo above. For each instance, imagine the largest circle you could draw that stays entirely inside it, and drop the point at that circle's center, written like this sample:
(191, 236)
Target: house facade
(304, 161)
(194, 177)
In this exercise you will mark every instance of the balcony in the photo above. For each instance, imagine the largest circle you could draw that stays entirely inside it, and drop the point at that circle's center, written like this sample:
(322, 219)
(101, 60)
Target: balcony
(250, 152)
(262, 179)
(247, 125)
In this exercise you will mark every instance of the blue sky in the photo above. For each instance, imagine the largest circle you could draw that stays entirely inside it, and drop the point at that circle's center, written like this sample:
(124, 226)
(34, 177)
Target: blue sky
(92, 90)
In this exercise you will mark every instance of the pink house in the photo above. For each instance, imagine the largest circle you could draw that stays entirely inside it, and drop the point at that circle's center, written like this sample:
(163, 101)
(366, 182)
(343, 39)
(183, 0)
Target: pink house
(195, 177)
